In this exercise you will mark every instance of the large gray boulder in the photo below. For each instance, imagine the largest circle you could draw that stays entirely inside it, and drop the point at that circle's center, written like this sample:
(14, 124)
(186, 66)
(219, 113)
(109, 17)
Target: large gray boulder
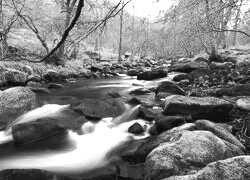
(137, 151)
(14, 102)
(99, 108)
(210, 108)
(236, 168)
(186, 152)
(170, 88)
(24, 133)
(153, 74)
(15, 77)
(219, 131)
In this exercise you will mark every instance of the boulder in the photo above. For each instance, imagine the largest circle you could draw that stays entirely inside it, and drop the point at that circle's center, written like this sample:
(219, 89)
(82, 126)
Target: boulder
(189, 65)
(14, 102)
(228, 169)
(183, 83)
(137, 151)
(169, 87)
(146, 113)
(164, 123)
(136, 128)
(185, 152)
(34, 77)
(53, 76)
(29, 132)
(54, 86)
(243, 103)
(153, 74)
(15, 77)
(96, 109)
(133, 72)
(219, 131)
(180, 77)
(33, 84)
(210, 108)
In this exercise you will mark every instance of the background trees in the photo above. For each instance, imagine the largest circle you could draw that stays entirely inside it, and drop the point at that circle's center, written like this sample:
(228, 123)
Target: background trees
(188, 27)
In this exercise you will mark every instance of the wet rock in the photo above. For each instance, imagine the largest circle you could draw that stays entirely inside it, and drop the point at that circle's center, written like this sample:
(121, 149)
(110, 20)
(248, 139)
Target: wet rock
(228, 169)
(136, 128)
(183, 83)
(15, 77)
(210, 108)
(164, 123)
(185, 152)
(189, 65)
(33, 131)
(54, 86)
(14, 102)
(40, 90)
(153, 74)
(53, 76)
(237, 90)
(146, 113)
(134, 101)
(243, 103)
(33, 84)
(140, 91)
(219, 131)
(169, 87)
(96, 109)
(137, 151)
(180, 77)
(34, 77)
(133, 72)
(114, 94)
(30, 174)
(162, 95)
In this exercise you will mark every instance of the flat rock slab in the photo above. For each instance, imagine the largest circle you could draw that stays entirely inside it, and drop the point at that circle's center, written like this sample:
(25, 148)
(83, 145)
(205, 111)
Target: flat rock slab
(210, 108)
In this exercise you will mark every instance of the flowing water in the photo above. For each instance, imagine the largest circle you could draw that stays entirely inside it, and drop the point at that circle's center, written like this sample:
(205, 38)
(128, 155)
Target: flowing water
(71, 152)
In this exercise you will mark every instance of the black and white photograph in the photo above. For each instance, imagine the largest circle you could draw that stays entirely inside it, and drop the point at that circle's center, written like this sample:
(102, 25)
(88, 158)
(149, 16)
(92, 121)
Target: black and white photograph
(124, 89)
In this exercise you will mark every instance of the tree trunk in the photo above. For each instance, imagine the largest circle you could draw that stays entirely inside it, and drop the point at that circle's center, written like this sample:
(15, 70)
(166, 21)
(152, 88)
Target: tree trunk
(237, 19)
(121, 33)
(3, 36)
(69, 5)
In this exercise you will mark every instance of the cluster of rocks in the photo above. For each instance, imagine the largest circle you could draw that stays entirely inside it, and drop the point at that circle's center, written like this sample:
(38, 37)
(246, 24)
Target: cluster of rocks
(193, 135)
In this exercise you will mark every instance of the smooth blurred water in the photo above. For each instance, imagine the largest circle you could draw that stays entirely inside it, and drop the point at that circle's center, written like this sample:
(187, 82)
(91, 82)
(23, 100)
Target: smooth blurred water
(72, 152)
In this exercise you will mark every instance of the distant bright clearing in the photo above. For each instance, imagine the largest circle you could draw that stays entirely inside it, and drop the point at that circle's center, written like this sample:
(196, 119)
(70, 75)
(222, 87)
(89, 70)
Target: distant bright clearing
(147, 8)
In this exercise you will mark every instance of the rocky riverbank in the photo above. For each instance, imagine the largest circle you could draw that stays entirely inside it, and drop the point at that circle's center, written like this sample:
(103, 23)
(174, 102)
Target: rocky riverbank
(200, 120)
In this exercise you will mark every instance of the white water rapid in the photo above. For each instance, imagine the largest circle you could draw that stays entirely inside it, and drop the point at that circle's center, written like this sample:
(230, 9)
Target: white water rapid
(99, 144)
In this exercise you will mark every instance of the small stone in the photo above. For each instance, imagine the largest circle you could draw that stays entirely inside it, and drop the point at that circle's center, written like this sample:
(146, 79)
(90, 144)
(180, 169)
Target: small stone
(136, 128)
